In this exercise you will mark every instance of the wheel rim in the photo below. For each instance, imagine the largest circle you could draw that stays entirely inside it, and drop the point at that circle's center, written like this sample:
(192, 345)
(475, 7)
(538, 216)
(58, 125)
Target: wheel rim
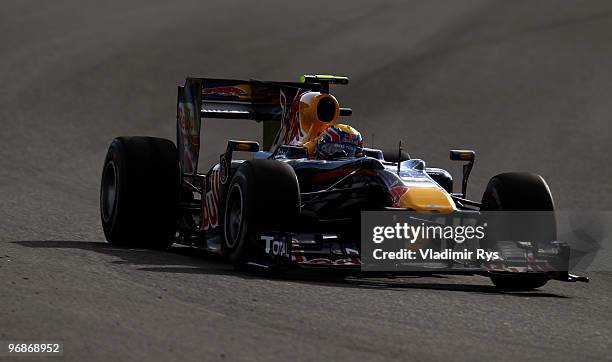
(234, 215)
(109, 191)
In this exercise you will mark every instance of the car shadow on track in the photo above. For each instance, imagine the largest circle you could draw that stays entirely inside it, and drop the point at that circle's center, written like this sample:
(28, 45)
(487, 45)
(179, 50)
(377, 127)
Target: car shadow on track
(173, 260)
(194, 261)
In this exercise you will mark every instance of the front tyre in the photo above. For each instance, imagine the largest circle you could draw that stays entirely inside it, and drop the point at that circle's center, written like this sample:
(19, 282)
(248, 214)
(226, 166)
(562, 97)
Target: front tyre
(520, 191)
(262, 195)
(518, 282)
(517, 191)
(139, 192)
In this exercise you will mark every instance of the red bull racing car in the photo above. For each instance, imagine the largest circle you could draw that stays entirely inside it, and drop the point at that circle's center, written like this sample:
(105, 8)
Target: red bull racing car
(297, 202)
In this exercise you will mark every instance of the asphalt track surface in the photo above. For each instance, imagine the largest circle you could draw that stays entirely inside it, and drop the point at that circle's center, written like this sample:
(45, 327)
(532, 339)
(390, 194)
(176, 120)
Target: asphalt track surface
(525, 83)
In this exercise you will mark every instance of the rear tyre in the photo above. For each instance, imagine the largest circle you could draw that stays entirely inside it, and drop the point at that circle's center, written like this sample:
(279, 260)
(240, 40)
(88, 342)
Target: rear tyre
(262, 195)
(139, 192)
(518, 191)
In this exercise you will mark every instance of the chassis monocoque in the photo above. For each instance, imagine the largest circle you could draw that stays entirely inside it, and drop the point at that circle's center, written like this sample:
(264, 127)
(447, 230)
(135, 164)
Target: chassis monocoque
(281, 208)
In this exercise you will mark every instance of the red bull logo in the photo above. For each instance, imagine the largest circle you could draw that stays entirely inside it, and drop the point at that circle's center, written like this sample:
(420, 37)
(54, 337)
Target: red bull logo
(240, 91)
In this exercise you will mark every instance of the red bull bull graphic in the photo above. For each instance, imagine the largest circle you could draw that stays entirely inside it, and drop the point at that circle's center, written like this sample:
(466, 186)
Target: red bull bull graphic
(291, 131)
(240, 91)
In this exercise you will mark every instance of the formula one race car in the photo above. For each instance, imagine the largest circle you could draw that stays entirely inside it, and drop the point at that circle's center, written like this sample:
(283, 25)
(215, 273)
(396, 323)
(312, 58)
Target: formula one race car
(298, 201)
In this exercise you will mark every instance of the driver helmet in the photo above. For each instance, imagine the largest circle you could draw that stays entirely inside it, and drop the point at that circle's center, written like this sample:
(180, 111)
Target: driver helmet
(339, 141)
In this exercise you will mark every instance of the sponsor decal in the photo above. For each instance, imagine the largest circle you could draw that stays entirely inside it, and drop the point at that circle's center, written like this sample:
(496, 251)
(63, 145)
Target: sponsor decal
(325, 261)
(210, 201)
(188, 126)
(240, 91)
(189, 136)
(275, 247)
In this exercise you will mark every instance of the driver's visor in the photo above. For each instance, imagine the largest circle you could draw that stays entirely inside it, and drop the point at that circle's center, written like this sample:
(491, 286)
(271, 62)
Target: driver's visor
(340, 150)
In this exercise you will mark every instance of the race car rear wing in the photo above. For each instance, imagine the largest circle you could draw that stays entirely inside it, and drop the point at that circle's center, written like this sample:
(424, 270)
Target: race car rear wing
(262, 101)
(238, 99)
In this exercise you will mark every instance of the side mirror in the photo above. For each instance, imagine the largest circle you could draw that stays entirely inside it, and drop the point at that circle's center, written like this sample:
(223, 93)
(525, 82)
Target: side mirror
(245, 146)
(462, 155)
(468, 156)
(225, 160)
